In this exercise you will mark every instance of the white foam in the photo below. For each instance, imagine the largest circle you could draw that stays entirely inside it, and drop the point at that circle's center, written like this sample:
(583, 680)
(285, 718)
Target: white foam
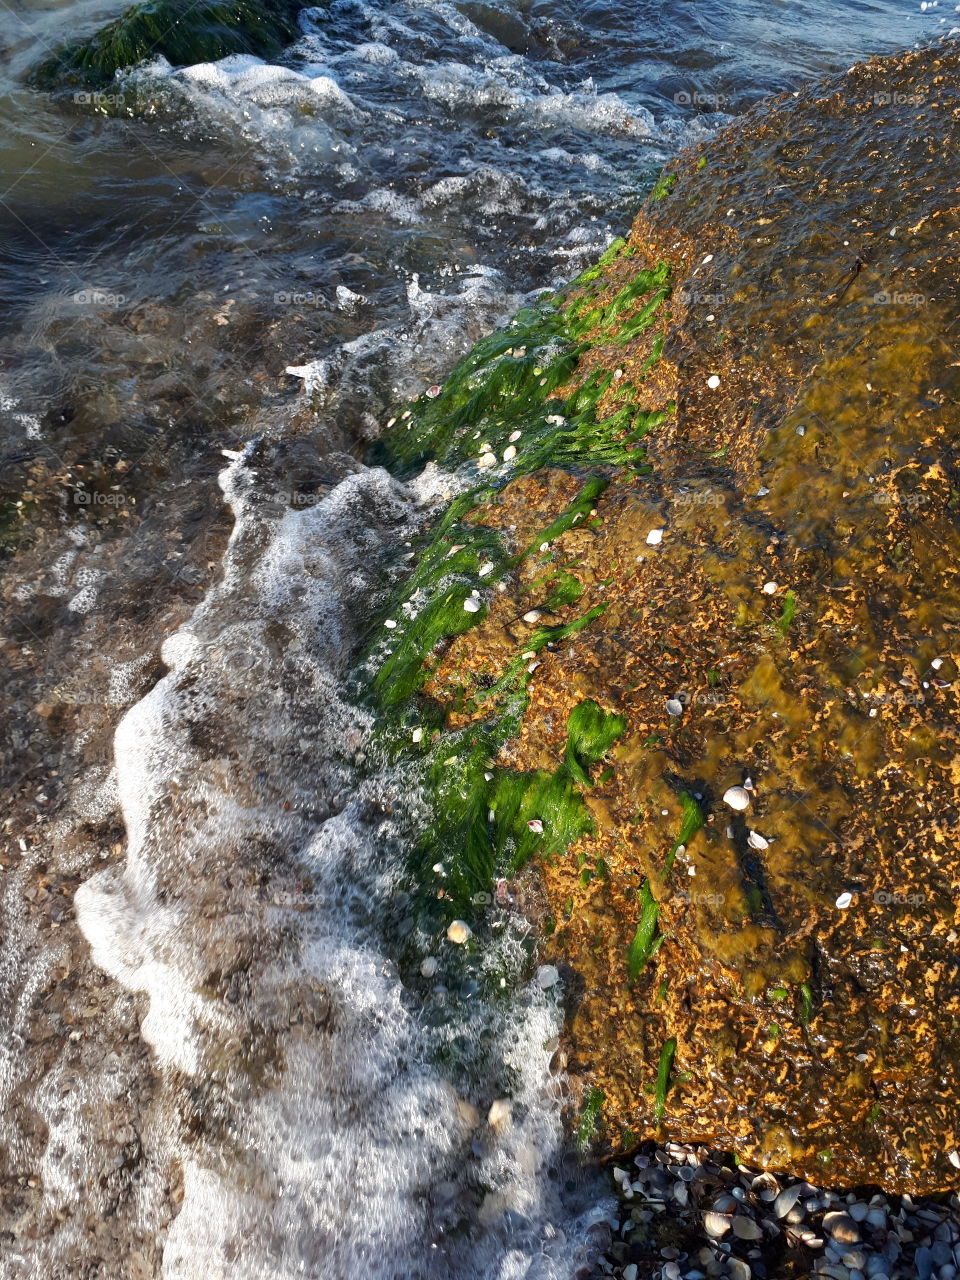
(250, 914)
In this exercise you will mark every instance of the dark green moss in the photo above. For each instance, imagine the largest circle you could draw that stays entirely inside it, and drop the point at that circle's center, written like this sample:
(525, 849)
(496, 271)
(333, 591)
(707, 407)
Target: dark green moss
(182, 31)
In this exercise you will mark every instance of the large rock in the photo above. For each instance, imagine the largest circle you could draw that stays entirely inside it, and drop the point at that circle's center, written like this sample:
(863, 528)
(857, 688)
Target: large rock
(799, 610)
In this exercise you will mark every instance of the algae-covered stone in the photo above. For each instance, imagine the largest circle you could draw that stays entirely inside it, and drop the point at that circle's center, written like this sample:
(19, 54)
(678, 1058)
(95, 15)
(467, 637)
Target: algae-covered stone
(788, 417)
(182, 31)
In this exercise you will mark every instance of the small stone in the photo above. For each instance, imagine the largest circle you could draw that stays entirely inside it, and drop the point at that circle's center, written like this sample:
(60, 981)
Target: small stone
(844, 900)
(858, 1210)
(459, 931)
(509, 453)
(417, 735)
(429, 966)
(433, 391)
(487, 460)
(737, 1269)
(674, 707)
(854, 1258)
(532, 615)
(472, 604)
(713, 382)
(654, 537)
(877, 1217)
(390, 623)
(737, 798)
(547, 976)
(841, 1227)
(769, 588)
(500, 1113)
(486, 568)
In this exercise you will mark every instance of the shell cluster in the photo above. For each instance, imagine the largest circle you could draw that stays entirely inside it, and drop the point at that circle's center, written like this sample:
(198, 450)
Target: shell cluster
(738, 1223)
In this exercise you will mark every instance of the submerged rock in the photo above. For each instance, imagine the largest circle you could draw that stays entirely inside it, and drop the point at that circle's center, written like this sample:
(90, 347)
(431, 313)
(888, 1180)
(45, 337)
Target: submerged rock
(768, 371)
(184, 32)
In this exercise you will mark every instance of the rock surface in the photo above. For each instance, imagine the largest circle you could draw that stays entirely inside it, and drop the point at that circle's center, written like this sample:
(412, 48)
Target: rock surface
(781, 332)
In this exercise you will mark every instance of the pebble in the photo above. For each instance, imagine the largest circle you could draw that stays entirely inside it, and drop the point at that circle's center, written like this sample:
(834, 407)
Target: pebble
(429, 966)
(509, 453)
(713, 382)
(532, 615)
(500, 1113)
(547, 976)
(654, 537)
(737, 1269)
(844, 901)
(487, 460)
(674, 707)
(459, 931)
(472, 605)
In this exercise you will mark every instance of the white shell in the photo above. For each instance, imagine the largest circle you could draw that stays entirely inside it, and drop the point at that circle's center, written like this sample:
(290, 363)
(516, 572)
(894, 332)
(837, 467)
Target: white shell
(769, 588)
(514, 436)
(509, 453)
(737, 798)
(715, 1224)
(486, 568)
(844, 901)
(487, 460)
(713, 382)
(547, 976)
(472, 605)
(756, 841)
(459, 931)
(532, 616)
(429, 966)
(674, 707)
(654, 537)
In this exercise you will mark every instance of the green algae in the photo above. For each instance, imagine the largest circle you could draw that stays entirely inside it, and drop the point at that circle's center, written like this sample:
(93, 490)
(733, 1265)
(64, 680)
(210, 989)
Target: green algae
(182, 31)
(590, 1118)
(664, 1067)
(591, 732)
(489, 822)
(646, 941)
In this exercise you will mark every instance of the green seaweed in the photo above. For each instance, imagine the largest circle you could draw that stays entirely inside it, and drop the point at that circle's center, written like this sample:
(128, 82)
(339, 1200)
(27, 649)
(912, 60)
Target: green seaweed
(182, 31)
(667, 1055)
(590, 1118)
(645, 941)
(591, 732)
(663, 186)
(693, 819)
(788, 612)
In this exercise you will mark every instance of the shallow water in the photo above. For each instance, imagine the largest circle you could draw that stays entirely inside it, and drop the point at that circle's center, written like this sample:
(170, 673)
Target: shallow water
(255, 1079)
